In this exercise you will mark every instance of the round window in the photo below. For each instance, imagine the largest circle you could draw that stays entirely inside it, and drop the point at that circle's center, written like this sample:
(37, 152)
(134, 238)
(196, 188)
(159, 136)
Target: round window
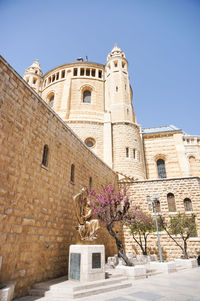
(90, 142)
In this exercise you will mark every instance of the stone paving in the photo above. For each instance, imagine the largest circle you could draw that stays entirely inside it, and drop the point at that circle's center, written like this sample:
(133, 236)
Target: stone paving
(180, 286)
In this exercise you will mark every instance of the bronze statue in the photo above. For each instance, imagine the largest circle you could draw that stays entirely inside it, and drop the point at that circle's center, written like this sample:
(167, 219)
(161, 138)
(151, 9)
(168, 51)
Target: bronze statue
(87, 226)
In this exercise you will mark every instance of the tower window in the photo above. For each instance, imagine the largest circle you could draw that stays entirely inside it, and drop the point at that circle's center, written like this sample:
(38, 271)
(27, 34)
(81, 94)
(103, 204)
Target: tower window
(123, 65)
(49, 80)
(51, 101)
(63, 74)
(127, 152)
(116, 88)
(57, 76)
(93, 72)
(187, 204)
(34, 81)
(171, 202)
(161, 169)
(115, 64)
(86, 96)
(36, 72)
(82, 72)
(45, 155)
(87, 72)
(100, 74)
(134, 153)
(75, 71)
(53, 78)
(72, 173)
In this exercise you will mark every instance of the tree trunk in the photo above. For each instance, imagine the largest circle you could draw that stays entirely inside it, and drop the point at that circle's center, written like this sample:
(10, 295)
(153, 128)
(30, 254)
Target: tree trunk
(120, 247)
(185, 250)
(145, 244)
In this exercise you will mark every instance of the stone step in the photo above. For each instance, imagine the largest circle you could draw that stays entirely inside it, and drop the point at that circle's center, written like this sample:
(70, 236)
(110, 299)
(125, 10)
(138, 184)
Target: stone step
(100, 290)
(72, 289)
(53, 295)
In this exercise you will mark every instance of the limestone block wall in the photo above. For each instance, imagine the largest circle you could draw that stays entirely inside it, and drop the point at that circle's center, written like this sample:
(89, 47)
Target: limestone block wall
(37, 218)
(162, 146)
(127, 150)
(181, 188)
(86, 129)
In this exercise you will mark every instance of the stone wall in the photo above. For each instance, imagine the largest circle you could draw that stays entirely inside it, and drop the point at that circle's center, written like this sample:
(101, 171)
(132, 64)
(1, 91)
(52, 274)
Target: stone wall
(163, 146)
(92, 130)
(181, 188)
(37, 218)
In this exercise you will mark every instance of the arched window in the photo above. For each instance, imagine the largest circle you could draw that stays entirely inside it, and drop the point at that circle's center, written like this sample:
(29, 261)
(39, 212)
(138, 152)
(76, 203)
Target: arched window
(192, 162)
(161, 169)
(51, 101)
(171, 202)
(45, 155)
(87, 96)
(187, 204)
(157, 206)
(72, 173)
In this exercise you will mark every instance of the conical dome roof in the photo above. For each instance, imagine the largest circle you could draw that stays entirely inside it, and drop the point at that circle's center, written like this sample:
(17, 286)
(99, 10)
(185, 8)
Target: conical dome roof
(34, 68)
(116, 51)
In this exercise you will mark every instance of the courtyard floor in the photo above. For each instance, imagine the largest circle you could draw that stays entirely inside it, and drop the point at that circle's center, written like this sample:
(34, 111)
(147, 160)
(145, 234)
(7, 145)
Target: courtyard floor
(180, 286)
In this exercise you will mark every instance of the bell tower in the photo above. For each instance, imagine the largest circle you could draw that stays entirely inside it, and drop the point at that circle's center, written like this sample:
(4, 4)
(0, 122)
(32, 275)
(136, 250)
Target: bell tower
(33, 76)
(120, 125)
(118, 93)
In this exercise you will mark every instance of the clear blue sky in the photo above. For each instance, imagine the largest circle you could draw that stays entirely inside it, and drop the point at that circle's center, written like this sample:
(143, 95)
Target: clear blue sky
(161, 40)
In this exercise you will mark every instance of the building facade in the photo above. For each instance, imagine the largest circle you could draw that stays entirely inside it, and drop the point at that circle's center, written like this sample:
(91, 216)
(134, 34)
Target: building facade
(95, 100)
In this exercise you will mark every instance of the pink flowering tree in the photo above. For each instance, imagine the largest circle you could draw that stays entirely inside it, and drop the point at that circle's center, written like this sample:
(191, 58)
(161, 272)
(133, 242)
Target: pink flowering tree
(141, 225)
(110, 206)
(180, 227)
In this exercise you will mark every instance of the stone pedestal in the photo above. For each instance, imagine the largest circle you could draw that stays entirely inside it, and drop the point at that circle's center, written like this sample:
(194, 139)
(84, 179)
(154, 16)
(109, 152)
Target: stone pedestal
(187, 263)
(135, 272)
(86, 263)
(163, 267)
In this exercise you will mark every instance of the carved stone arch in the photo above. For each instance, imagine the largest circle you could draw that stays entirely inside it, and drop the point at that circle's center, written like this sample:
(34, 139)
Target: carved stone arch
(87, 87)
(160, 156)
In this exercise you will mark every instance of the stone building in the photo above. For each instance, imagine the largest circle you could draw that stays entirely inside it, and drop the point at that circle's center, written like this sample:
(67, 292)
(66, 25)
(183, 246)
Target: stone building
(95, 100)
(73, 127)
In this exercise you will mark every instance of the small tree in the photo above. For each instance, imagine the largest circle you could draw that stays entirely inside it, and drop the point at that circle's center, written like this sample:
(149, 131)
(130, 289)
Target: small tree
(141, 225)
(110, 206)
(182, 225)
